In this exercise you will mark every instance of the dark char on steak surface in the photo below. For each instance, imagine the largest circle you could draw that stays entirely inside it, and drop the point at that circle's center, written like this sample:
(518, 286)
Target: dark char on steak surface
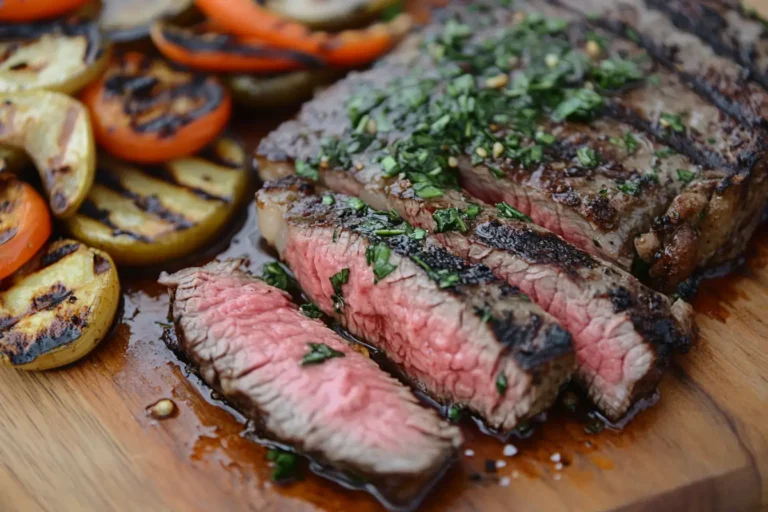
(623, 332)
(463, 336)
(251, 343)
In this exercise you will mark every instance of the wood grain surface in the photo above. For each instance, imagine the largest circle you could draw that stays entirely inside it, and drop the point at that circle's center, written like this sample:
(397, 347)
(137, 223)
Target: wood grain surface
(80, 439)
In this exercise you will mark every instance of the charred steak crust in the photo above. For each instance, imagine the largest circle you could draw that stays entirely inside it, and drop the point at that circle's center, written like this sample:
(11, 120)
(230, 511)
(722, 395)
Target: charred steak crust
(515, 354)
(246, 339)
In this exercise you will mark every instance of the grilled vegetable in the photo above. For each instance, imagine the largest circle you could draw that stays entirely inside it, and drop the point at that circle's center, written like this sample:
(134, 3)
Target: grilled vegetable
(25, 224)
(246, 18)
(145, 110)
(144, 216)
(55, 131)
(278, 91)
(12, 159)
(330, 15)
(201, 48)
(60, 56)
(129, 20)
(59, 309)
(31, 10)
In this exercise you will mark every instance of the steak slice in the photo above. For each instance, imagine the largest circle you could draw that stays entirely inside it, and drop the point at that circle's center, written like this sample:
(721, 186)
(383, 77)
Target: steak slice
(463, 336)
(250, 342)
(713, 218)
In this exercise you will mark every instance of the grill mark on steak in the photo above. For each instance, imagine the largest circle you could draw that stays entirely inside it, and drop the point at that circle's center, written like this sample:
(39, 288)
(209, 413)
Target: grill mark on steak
(344, 413)
(480, 328)
(575, 293)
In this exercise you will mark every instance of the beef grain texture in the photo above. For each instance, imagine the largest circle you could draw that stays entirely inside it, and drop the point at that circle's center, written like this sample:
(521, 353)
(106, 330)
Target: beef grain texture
(247, 340)
(465, 337)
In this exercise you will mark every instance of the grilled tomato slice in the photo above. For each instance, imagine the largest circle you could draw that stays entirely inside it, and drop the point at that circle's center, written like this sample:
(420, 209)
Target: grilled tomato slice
(204, 48)
(129, 20)
(25, 224)
(59, 308)
(55, 131)
(145, 110)
(149, 215)
(31, 10)
(60, 56)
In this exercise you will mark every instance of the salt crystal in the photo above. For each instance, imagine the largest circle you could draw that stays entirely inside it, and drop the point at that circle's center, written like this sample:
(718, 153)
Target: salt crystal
(510, 450)
(504, 482)
(469, 453)
(559, 466)
(558, 476)
(555, 457)
(501, 464)
(515, 474)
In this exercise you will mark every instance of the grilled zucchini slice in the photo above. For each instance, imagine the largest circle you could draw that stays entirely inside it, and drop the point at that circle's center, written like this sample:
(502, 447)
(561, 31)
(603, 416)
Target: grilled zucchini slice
(149, 215)
(130, 20)
(61, 56)
(55, 131)
(331, 14)
(57, 311)
(278, 91)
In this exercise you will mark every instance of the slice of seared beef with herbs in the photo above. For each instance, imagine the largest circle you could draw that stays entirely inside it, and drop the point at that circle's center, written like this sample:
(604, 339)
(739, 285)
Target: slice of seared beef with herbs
(444, 118)
(305, 386)
(463, 336)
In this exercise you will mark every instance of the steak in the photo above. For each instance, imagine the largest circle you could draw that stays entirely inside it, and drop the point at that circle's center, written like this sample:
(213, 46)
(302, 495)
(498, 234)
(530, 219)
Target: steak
(623, 332)
(460, 334)
(251, 343)
(715, 215)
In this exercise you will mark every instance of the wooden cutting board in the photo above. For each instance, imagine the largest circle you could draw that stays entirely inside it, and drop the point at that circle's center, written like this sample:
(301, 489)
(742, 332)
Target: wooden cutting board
(80, 439)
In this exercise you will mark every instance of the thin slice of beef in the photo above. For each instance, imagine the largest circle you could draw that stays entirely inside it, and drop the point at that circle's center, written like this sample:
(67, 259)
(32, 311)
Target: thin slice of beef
(465, 337)
(251, 343)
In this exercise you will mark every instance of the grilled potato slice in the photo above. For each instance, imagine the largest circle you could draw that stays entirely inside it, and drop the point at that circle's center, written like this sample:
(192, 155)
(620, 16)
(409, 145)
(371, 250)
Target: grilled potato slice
(57, 311)
(56, 132)
(148, 215)
(61, 56)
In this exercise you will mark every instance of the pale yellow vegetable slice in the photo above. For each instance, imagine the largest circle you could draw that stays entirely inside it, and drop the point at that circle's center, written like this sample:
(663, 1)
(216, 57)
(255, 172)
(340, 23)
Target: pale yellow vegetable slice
(58, 309)
(57, 56)
(129, 20)
(55, 131)
(149, 215)
(278, 91)
(330, 14)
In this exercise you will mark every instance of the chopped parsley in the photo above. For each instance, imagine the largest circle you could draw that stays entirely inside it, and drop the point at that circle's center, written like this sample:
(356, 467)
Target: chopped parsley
(509, 212)
(685, 176)
(587, 157)
(449, 219)
(286, 464)
(454, 413)
(615, 73)
(378, 256)
(665, 152)
(444, 278)
(631, 188)
(501, 384)
(337, 281)
(311, 311)
(275, 275)
(319, 353)
(306, 170)
(328, 200)
(418, 234)
(472, 211)
(356, 204)
(672, 121)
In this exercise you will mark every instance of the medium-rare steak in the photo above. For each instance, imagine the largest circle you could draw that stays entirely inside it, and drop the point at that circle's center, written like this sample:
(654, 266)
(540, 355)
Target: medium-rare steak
(303, 384)
(463, 336)
(624, 68)
(623, 332)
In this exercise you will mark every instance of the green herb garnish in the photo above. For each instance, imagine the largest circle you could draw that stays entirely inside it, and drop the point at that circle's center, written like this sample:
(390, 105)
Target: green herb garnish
(311, 311)
(319, 353)
(685, 176)
(356, 204)
(587, 157)
(378, 256)
(337, 281)
(631, 188)
(307, 170)
(275, 275)
(501, 384)
(672, 121)
(509, 212)
(286, 464)
(449, 219)
(328, 200)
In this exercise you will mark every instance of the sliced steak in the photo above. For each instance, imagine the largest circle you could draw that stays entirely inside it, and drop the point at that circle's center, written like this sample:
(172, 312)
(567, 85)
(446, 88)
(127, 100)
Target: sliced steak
(251, 343)
(714, 217)
(465, 337)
